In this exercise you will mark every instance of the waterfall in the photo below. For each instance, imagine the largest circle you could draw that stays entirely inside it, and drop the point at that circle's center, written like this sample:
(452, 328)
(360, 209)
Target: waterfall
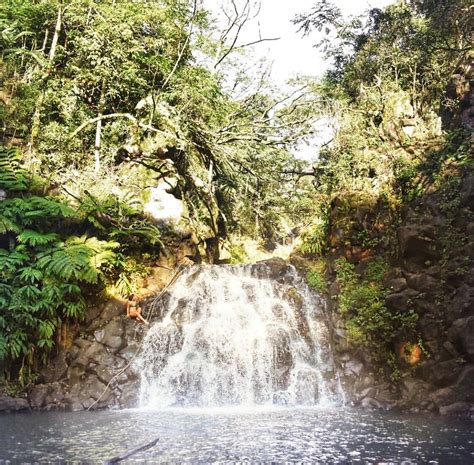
(238, 335)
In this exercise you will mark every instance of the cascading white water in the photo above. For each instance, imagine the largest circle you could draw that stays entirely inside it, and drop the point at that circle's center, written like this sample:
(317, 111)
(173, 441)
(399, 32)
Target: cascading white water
(235, 335)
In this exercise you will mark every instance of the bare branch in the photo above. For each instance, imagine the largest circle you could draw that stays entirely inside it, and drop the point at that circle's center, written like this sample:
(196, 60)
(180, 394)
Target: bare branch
(183, 48)
(113, 116)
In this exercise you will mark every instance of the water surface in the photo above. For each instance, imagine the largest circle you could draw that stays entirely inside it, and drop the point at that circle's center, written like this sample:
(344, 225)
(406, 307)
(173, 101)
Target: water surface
(278, 435)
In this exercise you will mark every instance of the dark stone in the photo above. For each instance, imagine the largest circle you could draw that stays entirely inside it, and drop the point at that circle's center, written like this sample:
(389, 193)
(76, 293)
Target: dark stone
(459, 409)
(401, 301)
(461, 334)
(47, 396)
(56, 368)
(93, 312)
(274, 268)
(415, 391)
(129, 395)
(444, 373)
(91, 388)
(397, 285)
(423, 283)
(467, 192)
(417, 242)
(13, 404)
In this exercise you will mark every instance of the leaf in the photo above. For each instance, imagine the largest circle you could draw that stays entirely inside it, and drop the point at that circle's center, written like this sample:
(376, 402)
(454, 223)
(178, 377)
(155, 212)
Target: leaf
(35, 238)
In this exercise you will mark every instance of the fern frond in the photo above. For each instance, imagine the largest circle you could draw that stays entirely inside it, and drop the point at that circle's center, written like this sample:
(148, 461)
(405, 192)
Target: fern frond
(29, 274)
(35, 238)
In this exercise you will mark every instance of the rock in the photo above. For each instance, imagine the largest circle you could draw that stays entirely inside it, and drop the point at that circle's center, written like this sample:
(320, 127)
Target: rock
(444, 373)
(461, 391)
(423, 283)
(13, 404)
(47, 396)
(445, 396)
(370, 403)
(93, 312)
(467, 192)
(401, 301)
(417, 242)
(99, 335)
(113, 334)
(56, 368)
(113, 308)
(90, 388)
(397, 285)
(38, 395)
(353, 367)
(456, 409)
(415, 391)
(129, 395)
(461, 334)
(273, 268)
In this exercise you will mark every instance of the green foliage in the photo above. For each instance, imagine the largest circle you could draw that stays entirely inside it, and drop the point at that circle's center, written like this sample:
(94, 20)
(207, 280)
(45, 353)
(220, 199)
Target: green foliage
(41, 273)
(317, 281)
(368, 321)
(316, 276)
(314, 237)
(120, 219)
(12, 175)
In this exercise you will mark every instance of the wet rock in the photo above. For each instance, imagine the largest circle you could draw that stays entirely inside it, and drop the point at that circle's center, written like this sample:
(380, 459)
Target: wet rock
(456, 409)
(13, 404)
(273, 268)
(129, 394)
(372, 404)
(47, 396)
(353, 367)
(91, 388)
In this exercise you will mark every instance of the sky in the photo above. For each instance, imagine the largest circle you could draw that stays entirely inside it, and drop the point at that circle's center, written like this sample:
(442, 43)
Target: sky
(293, 54)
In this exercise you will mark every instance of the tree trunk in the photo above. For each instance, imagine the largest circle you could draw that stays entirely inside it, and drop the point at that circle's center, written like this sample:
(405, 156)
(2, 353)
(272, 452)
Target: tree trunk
(98, 130)
(36, 120)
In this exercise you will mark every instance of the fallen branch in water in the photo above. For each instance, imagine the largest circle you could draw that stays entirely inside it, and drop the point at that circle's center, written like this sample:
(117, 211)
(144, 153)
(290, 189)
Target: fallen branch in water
(128, 454)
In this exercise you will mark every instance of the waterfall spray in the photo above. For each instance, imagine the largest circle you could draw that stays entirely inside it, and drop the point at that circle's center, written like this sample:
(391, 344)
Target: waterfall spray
(238, 335)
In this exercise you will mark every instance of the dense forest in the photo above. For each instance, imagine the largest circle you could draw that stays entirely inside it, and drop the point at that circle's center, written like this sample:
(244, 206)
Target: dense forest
(102, 103)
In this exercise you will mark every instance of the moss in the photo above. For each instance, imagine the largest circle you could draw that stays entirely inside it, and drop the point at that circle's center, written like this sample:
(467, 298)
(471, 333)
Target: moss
(369, 323)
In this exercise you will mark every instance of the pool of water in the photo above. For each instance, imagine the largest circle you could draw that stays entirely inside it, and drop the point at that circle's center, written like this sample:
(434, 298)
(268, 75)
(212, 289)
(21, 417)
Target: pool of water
(316, 435)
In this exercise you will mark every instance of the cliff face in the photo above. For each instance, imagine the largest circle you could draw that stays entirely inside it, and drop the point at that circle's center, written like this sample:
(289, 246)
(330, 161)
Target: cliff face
(431, 275)
(430, 253)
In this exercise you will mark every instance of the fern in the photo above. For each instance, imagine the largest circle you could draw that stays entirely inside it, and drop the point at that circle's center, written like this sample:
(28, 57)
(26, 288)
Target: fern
(35, 238)
(12, 175)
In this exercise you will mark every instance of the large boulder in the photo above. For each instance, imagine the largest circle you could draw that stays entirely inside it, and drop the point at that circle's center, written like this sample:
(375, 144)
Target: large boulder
(13, 404)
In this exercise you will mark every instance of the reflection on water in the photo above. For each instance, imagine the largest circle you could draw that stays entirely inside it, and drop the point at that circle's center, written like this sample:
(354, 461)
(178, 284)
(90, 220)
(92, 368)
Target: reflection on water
(228, 436)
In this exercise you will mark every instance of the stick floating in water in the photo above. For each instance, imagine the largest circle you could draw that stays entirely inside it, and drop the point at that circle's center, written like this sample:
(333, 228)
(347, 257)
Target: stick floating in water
(128, 454)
